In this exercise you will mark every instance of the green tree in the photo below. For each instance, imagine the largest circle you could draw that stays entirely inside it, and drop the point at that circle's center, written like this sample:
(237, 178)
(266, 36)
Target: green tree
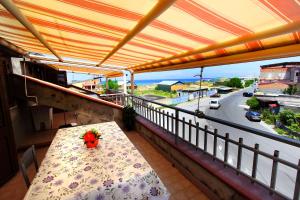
(248, 83)
(291, 90)
(113, 85)
(235, 82)
(253, 103)
(287, 117)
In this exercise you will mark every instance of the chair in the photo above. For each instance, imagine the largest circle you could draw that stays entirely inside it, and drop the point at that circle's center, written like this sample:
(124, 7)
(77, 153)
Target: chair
(27, 159)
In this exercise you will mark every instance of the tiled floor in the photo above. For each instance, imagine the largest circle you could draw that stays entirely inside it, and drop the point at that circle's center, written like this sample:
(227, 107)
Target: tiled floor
(179, 187)
(16, 189)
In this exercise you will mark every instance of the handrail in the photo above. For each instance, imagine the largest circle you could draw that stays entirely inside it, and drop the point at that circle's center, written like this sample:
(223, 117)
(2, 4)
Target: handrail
(265, 134)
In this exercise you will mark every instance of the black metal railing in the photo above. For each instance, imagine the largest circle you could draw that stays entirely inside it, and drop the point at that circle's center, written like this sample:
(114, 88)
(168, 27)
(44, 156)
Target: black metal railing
(208, 141)
(117, 98)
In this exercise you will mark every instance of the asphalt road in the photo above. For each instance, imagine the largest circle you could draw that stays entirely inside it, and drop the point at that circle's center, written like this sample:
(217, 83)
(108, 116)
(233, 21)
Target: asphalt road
(233, 109)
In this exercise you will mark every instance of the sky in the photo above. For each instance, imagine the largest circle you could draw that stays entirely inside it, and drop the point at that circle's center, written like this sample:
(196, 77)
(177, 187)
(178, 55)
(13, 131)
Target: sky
(233, 70)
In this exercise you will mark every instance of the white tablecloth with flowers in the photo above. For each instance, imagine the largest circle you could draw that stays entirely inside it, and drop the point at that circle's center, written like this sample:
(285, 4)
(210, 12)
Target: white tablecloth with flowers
(113, 170)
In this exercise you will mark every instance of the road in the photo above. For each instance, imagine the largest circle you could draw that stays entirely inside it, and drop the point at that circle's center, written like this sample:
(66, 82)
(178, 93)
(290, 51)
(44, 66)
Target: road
(233, 109)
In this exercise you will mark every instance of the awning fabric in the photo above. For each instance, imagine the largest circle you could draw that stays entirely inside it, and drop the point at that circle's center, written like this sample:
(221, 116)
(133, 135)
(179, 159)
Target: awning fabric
(90, 29)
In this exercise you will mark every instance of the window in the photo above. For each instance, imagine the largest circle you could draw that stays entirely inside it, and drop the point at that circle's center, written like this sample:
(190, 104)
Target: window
(297, 73)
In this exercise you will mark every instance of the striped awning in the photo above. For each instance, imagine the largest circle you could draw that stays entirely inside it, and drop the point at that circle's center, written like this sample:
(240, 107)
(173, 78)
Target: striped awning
(153, 35)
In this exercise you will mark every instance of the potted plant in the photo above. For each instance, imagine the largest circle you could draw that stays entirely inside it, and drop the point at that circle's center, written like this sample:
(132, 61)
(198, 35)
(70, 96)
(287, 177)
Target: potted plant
(128, 117)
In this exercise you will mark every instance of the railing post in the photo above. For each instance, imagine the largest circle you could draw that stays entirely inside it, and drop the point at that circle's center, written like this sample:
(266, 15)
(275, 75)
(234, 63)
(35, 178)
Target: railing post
(197, 135)
(205, 138)
(156, 121)
(255, 159)
(163, 113)
(133, 104)
(215, 144)
(172, 125)
(159, 117)
(147, 107)
(183, 128)
(168, 123)
(226, 149)
(190, 129)
(176, 125)
(274, 171)
(297, 184)
(239, 156)
(152, 109)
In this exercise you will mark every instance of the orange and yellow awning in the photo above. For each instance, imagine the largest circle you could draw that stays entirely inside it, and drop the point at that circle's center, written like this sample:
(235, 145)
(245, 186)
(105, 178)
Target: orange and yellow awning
(181, 34)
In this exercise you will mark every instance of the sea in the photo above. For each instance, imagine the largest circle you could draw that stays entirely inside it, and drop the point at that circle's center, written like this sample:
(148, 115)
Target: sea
(156, 81)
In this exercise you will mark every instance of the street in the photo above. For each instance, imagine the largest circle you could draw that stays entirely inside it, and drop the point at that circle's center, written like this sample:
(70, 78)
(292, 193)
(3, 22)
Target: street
(233, 109)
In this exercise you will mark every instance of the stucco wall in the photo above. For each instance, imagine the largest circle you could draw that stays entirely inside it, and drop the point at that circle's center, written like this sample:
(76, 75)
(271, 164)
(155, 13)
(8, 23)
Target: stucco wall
(88, 109)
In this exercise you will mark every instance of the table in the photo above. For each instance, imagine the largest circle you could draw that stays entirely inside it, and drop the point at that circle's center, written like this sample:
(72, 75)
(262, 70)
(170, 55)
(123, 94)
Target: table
(113, 170)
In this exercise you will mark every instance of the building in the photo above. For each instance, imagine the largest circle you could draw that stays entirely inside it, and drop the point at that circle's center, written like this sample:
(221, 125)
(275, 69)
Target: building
(224, 90)
(170, 86)
(274, 78)
(194, 92)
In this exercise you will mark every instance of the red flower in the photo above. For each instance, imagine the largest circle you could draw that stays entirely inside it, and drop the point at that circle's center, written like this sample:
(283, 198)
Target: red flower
(91, 138)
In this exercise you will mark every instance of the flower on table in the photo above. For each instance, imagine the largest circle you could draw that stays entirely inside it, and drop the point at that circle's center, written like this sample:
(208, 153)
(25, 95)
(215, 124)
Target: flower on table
(142, 185)
(55, 165)
(126, 189)
(93, 181)
(100, 197)
(48, 179)
(87, 168)
(73, 185)
(58, 182)
(111, 154)
(108, 183)
(137, 165)
(73, 158)
(154, 191)
(78, 176)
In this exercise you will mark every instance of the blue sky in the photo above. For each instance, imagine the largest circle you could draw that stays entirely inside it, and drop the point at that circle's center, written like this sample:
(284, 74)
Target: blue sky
(241, 69)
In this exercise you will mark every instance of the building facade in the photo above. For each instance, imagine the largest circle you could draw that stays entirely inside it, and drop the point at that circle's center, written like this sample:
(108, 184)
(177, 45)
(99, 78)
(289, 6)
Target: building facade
(170, 86)
(275, 78)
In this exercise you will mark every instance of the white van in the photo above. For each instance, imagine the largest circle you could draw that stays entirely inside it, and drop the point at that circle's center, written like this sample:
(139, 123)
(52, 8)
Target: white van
(214, 104)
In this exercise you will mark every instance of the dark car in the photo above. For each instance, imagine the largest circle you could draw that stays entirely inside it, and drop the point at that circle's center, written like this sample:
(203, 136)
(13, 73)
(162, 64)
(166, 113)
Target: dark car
(253, 116)
(247, 94)
(215, 95)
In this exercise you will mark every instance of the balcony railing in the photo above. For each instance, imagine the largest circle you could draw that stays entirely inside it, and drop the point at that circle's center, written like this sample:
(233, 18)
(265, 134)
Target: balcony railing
(233, 152)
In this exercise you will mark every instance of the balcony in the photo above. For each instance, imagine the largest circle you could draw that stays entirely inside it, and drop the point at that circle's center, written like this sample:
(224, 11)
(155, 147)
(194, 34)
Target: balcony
(218, 163)
(113, 38)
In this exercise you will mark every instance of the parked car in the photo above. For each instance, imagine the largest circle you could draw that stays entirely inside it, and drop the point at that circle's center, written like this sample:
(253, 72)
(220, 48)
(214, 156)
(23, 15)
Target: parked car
(215, 95)
(214, 104)
(247, 94)
(253, 116)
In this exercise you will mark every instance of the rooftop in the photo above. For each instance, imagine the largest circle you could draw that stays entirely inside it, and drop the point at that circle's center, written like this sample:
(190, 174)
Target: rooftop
(169, 82)
(283, 64)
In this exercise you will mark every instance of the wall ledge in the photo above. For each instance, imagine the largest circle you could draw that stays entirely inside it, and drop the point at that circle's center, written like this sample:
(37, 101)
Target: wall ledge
(66, 90)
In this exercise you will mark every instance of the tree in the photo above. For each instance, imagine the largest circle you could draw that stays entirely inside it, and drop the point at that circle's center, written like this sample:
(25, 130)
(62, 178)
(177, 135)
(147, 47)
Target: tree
(253, 103)
(291, 90)
(113, 85)
(235, 82)
(248, 83)
(287, 117)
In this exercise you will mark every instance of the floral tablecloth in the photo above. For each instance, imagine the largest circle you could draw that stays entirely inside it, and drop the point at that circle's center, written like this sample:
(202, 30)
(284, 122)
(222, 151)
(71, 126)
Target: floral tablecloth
(113, 170)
